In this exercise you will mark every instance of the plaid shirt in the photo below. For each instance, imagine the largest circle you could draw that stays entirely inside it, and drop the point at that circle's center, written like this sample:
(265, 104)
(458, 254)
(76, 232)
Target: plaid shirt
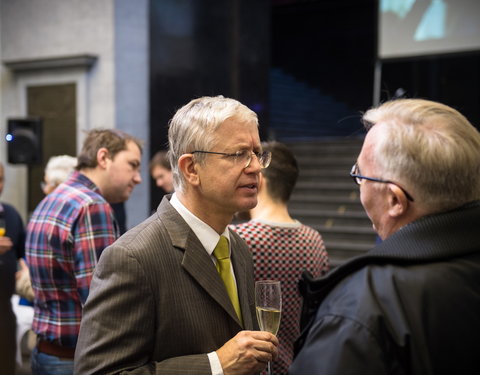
(65, 236)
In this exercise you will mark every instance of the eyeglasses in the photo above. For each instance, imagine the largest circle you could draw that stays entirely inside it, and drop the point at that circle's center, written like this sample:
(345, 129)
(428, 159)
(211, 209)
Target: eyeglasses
(357, 177)
(264, 158)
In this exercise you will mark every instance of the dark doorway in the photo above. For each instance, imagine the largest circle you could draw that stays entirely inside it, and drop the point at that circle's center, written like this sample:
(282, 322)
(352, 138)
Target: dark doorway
(56, 105)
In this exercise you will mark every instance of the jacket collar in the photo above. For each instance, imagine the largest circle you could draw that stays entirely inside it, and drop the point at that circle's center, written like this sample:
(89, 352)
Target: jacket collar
(199, 264)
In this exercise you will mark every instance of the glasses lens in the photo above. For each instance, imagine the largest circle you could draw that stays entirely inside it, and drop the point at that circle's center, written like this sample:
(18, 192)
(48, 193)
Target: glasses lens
(354, 172)
(265, 158)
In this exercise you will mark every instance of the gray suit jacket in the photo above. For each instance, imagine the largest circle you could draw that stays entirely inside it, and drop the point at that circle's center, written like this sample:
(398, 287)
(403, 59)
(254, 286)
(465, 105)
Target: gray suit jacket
(157, 304)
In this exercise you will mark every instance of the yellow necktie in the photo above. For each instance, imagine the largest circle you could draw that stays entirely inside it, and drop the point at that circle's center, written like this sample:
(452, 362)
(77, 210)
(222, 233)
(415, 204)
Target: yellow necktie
(224, 269)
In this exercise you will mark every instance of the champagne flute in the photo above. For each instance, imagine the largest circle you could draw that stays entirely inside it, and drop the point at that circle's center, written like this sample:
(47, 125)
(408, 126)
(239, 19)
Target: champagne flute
(268, 303)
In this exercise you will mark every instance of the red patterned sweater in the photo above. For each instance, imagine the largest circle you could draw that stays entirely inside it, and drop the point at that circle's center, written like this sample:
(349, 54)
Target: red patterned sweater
(282, 252)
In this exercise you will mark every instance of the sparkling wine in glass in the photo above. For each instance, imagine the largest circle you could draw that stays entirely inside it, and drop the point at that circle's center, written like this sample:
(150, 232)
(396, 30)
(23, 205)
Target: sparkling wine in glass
(268, 302)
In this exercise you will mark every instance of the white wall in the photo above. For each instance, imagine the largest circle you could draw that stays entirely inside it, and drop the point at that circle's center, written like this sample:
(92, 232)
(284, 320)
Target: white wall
(32, 30)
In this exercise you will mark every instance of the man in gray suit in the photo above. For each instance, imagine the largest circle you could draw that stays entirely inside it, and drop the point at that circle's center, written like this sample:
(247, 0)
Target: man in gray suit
(157, 303)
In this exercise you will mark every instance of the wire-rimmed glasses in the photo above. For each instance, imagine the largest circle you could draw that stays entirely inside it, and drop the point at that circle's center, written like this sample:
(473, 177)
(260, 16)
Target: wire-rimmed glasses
(264, 158)
(357, 178)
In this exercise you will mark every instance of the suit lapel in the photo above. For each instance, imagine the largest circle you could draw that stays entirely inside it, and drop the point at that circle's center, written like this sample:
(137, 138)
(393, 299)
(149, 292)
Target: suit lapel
(239, 267)
(196, 260)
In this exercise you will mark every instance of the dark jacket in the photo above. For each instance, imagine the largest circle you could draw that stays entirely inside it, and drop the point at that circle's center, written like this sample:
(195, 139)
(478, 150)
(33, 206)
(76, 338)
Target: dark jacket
(409, 306)
(8, 266)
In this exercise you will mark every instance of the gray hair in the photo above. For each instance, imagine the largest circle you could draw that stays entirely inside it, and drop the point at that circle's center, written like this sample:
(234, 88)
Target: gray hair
(58, 168)
(430, 148)
(193, 128)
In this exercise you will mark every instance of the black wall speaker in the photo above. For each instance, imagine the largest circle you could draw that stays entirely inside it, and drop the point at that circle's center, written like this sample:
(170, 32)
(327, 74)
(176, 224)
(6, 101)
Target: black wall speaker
(24, 141)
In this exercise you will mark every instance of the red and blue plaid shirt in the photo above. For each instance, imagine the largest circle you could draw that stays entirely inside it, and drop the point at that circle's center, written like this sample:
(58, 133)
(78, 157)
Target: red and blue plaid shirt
(66, 234)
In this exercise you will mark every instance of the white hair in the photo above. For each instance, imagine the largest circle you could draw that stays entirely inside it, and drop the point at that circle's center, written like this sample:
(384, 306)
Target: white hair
(430, 148)
(194, 125)
(59, 168)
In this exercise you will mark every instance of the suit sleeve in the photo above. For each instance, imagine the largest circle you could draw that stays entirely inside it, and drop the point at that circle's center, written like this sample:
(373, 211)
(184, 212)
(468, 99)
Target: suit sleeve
(337, 345)
(117, 332)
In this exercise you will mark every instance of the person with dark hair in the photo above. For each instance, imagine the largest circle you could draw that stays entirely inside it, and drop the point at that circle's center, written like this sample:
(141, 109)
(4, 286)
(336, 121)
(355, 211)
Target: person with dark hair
(12, 240)
(161, 171)
(66, 234)
(282, 247)
(175, 295)
(410, 305)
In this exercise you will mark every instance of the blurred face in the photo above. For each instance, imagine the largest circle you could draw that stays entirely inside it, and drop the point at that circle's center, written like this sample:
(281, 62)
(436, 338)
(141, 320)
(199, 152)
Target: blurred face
(163, 178)
(123, 173)
(226, 185)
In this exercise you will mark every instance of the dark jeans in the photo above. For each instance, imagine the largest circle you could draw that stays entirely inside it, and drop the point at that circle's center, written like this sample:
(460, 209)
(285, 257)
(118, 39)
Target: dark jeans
(44, 364)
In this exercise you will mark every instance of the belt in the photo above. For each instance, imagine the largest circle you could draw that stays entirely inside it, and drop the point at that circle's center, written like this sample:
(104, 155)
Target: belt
(52, 348)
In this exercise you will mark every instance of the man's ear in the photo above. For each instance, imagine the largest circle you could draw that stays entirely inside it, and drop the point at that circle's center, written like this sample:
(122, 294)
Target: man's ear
(397, 201)
(103, 156)
(188, 168)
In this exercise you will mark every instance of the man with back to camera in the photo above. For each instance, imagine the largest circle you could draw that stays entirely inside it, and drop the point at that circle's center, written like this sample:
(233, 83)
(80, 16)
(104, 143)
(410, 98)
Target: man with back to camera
(56, 171)
(411, 305)
(281, 246)
(66, 234)
(158, 303)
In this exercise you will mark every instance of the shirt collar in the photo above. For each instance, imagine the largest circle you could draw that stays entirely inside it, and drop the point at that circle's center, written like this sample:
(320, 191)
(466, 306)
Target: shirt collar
(84, 180)
(205, 233)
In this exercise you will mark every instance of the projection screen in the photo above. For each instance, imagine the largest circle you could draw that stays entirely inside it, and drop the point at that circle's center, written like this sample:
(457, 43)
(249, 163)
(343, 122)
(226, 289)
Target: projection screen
(409, 28)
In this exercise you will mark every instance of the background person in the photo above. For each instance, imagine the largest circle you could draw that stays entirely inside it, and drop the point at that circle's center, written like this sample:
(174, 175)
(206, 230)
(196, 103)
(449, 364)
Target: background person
(161, 171)
(157, 301)
(12, 241)
(411, 305)
(282, 247)
(66, 235)
(57, 170)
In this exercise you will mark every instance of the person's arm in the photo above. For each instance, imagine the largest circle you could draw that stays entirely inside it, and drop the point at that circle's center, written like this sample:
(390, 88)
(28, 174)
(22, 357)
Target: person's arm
(23, 284)
(93, 231)
(336, 345)
(117, 333)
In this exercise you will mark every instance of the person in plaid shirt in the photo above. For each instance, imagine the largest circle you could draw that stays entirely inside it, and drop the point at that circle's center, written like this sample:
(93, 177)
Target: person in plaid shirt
(66, 235)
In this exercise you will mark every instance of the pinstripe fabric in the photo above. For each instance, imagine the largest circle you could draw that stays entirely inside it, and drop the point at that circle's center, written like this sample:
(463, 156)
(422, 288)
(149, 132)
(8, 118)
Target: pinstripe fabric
(157, 303)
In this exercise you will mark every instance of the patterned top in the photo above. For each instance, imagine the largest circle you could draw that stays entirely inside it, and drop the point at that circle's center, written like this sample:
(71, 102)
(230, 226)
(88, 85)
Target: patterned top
(65, 236)
(282, 252)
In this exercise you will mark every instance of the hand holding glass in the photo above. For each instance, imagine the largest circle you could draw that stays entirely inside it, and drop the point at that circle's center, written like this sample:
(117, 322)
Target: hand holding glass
(268, 302)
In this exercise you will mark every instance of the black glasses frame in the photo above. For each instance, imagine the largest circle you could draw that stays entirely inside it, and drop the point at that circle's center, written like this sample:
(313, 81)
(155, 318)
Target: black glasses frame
(357, 178)
(264, 158)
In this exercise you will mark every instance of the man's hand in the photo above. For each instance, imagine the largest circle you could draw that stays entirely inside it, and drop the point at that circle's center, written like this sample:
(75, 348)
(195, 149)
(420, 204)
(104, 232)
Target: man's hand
(23, 271)
(5, 244)
(248, 352)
